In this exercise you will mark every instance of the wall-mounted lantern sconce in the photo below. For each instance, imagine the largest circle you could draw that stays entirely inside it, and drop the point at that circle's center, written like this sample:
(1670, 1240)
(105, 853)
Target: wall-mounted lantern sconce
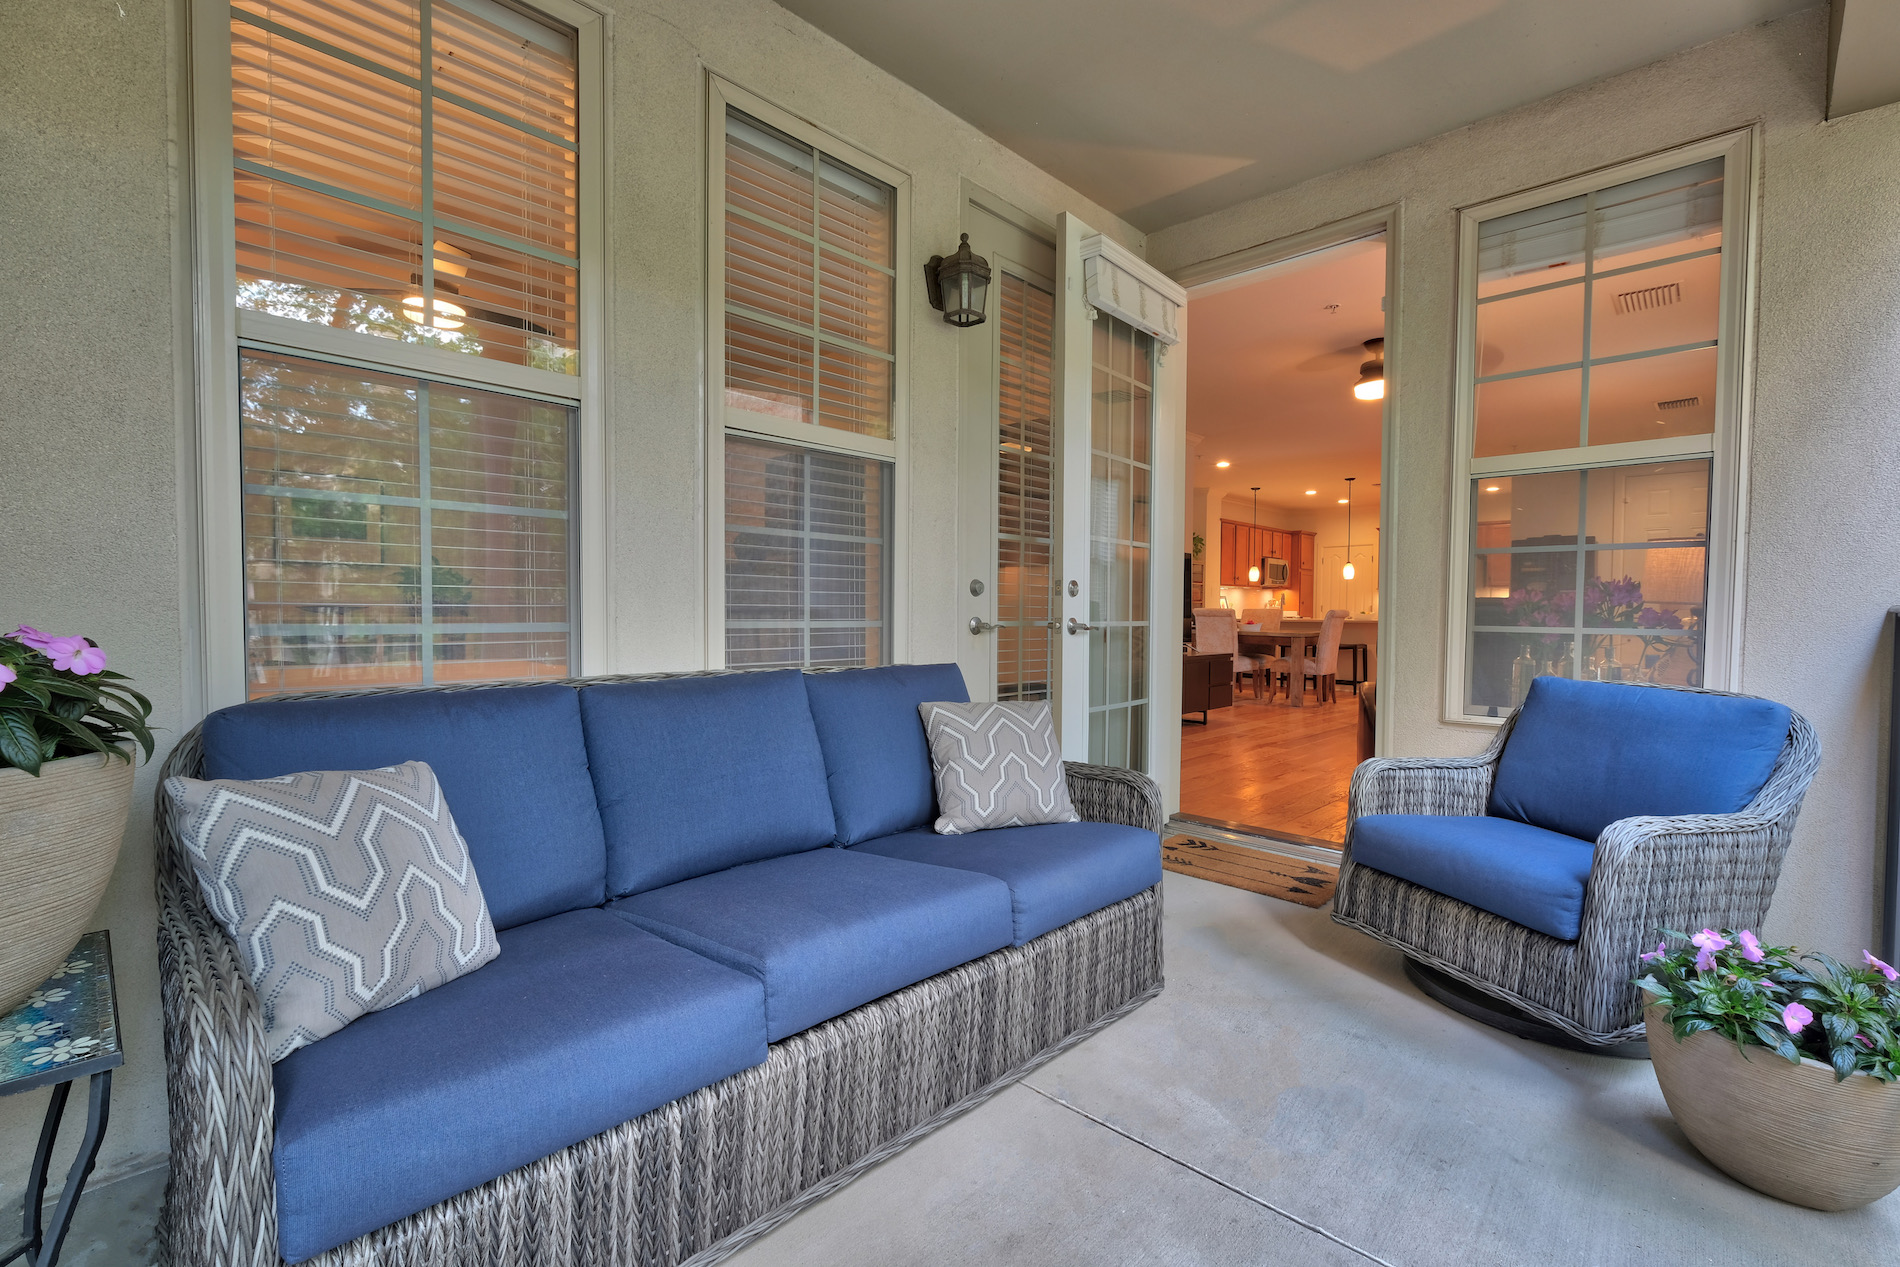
(958, 285)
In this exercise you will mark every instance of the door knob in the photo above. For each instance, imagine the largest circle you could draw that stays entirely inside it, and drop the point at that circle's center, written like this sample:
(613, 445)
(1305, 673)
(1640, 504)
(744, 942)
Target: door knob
(978, 625)
(1076, 626)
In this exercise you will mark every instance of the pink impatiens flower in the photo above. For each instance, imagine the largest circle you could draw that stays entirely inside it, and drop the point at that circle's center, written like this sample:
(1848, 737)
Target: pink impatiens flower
(1794, 1017)
(6, 675)
(1886, 970)
(75, 655)
(1751, 946)
(27, 635)
(1661, 952)
(1707, 942)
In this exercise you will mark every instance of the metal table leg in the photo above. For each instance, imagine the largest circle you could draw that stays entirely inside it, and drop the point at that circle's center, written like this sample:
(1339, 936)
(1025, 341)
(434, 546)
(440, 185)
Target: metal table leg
(41, 1246)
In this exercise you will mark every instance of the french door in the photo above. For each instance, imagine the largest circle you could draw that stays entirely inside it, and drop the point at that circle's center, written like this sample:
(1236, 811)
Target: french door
(1075, 583)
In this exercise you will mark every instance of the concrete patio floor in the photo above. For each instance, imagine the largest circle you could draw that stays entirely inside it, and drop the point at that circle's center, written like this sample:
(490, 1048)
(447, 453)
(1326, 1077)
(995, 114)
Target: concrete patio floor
(1288, 1099)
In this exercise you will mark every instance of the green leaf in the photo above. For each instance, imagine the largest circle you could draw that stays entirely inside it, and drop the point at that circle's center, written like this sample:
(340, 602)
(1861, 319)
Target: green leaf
(1843, 1058)
(86, 737)
(19, 742)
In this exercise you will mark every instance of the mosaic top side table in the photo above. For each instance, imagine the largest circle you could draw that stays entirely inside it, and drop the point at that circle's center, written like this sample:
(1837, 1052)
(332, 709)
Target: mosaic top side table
(66, 1030)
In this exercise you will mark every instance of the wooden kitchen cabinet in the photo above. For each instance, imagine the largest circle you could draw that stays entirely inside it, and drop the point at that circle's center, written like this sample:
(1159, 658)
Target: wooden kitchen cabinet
(1244, 544)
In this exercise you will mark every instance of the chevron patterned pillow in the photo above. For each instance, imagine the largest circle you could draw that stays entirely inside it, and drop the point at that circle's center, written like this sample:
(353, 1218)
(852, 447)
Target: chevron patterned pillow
(345, 891)
(996, 765)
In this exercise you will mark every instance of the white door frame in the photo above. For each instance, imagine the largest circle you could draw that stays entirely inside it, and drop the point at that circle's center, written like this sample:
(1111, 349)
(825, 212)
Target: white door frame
(1384, 220)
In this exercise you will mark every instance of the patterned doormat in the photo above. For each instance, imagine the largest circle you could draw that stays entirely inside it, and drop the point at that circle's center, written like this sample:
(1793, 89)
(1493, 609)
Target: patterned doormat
(1308, 883)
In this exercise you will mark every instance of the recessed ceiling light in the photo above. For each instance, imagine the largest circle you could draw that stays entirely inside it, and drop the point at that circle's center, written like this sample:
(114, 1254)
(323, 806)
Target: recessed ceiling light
(1312, 492)
(1342, 501)
(1490, 488)
(1223, 464)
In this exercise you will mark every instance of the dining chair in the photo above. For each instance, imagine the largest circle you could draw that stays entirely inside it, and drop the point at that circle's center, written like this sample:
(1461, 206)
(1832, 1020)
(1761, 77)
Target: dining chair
(1321, 668)
(1268, 618)
(1215, 633)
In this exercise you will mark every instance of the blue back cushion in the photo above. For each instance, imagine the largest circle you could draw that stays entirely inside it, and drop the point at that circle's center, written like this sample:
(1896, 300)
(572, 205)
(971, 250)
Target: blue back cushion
(1584, 754)
(698, 774)
(510, 760)
(877, 760)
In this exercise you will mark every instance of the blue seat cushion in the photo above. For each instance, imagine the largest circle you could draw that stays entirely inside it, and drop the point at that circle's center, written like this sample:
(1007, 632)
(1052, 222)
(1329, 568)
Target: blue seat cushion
(699, 774)
(581, 1023)
(1056, 872)
(1585, 754)
(1528, 875)
(877, 759)
(510, 759)
(830, 929)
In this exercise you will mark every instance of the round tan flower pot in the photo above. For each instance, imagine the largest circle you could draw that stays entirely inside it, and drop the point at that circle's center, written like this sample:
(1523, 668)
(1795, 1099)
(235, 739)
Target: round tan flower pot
(1791, 1131)
(59, 840)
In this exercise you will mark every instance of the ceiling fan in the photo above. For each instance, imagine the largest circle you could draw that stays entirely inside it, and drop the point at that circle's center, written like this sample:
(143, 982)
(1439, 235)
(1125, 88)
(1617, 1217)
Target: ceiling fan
(451, 265)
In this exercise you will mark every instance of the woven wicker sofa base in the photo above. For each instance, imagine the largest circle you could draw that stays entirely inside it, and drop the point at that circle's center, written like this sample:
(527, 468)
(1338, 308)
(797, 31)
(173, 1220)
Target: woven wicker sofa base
(701, 1177)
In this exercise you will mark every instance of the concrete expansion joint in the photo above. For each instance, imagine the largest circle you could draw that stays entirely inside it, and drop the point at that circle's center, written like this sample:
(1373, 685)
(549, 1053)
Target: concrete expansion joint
(1260, 1201)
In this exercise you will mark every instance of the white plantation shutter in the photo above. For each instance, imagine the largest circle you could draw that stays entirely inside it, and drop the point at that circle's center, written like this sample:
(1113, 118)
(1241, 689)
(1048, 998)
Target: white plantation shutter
(355, 152)
(810, 285)
(807, 558)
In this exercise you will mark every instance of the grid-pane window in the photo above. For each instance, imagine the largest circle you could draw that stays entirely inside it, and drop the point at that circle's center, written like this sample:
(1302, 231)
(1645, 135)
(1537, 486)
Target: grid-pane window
(1597, 355)
(807, 557)
(1121, 541)
(807, 289)
(409, 169)
(810, 274)
(352, 479)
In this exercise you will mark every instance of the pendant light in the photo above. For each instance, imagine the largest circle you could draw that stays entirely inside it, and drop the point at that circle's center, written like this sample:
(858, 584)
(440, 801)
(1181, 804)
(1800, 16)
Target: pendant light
(1255, 572)
(1347, 573)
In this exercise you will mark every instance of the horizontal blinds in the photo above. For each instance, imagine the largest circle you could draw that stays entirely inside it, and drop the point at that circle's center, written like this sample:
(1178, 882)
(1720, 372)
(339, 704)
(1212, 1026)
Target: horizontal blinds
(1025, 469)
(428, 199)
(351, 480)
(807, 557)
(810, 284)
(1674, 206)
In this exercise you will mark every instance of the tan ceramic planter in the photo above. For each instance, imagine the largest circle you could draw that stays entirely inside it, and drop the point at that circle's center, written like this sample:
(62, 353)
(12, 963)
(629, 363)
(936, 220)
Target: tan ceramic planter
(59, 839)
(1788, 1130)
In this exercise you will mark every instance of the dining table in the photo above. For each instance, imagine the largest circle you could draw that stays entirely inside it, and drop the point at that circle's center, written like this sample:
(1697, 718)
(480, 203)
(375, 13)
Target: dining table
(1266, 644)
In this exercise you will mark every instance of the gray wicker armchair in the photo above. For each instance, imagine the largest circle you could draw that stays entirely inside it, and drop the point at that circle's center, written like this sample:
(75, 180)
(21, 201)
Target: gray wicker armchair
(1688, 872)
(697, 1178)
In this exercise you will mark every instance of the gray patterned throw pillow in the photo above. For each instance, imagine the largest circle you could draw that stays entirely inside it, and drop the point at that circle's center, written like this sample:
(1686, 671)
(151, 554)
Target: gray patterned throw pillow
(345, 891)
(996, 765)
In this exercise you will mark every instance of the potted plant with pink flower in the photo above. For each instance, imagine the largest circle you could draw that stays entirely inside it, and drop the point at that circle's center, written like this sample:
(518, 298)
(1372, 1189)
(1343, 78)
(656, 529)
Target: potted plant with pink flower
(67, 728)
(1782, 1068)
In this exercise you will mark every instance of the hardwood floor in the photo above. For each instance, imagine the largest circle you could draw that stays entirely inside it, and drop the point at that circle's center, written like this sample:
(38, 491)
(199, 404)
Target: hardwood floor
(1308, 883)
(1268, 764)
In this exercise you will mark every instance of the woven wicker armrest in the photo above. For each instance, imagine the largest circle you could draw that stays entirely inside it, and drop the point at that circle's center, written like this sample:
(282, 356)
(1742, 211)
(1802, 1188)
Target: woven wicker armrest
(1416, 785)
(1109, 794)
(223, 1204)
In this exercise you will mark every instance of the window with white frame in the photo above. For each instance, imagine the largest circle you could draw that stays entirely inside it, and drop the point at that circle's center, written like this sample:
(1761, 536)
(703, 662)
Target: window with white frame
(1599, 400)
(407, 242)
(806, 271)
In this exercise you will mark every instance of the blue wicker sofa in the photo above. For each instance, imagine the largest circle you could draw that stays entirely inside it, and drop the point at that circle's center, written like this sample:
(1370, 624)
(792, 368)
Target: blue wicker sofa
(736, 967)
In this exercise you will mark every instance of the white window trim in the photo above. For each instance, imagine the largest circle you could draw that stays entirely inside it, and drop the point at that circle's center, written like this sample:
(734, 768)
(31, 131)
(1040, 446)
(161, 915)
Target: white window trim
(221, 328)
(1728, 449)
(720, 94)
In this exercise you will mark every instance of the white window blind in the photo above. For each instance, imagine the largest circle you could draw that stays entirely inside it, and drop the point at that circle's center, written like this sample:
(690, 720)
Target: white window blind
(807, 558)
(365, 129)
(810, 274)
(352, 479)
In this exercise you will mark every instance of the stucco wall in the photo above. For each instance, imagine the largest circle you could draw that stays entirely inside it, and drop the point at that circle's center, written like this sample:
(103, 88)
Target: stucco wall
(96, 419)
(1825, 485)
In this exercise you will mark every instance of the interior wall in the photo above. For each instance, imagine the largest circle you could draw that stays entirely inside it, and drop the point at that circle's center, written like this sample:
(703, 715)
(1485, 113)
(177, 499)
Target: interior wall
(1824, 482)
(96, 414)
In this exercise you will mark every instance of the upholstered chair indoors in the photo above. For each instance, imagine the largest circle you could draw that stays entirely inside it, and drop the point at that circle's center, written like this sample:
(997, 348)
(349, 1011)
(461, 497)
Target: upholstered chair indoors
(1321, 668)
(1216, 633)
(1538, 871)
(1268, 618)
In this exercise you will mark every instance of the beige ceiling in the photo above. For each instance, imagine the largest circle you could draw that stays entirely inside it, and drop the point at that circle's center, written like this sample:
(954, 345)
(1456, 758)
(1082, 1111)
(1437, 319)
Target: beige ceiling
(1163, 110)
(1272, 359)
